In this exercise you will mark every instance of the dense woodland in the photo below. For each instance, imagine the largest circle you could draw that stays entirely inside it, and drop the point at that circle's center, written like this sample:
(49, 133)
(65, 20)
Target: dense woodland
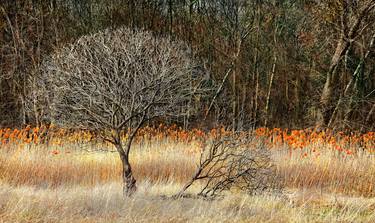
(274, 63)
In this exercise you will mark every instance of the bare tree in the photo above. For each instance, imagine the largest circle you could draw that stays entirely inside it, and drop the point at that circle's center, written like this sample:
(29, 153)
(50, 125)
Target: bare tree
(354, 17)
(234, 162)
(113, 82)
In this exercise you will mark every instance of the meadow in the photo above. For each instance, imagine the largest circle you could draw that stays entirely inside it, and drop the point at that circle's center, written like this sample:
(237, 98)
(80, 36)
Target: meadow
(58, 175)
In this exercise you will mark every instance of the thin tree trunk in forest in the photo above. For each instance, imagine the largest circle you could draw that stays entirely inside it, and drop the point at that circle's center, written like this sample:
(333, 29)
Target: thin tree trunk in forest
(359, 68)
(35, 106)
(269, 90)
(348, 86)
(218, 91)
(234, 99)
(358, 75)
(253, 101)
(297, 98)
(368, 117)
(256, 68)
(242, 113)
(256, 98)
(231, 69)
(23, 109)
(328, 90)
(350, 25)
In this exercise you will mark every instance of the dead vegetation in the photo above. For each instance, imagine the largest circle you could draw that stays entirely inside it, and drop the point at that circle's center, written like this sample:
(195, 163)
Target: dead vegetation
(235, 162)
(39, 185)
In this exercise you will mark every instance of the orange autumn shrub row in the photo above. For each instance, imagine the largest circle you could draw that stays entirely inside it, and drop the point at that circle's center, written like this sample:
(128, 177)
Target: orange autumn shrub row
(348, 143)
(310, 140)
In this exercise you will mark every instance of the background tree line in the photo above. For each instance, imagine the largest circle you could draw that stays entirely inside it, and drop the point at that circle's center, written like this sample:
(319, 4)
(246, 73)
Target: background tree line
(275, 63)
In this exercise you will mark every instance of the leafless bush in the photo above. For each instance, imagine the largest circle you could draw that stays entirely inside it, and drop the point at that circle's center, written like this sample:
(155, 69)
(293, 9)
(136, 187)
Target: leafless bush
(112, 82)
(234, 163)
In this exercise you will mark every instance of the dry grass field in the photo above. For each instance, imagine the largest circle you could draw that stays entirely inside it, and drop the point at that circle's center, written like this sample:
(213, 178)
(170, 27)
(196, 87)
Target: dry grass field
(74, 180)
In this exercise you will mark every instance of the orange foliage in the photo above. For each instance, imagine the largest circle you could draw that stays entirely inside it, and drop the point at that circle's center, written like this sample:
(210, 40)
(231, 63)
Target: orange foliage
(306, 140)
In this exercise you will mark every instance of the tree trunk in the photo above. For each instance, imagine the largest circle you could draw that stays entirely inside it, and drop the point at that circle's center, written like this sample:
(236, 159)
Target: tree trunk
(129, 182)
(357, 73)
(326, 99)
(23, 108)
(269, 91)
(349, 31)
(370, 114)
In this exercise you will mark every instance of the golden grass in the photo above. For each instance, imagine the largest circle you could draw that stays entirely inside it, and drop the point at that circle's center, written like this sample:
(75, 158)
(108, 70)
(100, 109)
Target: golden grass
(79, 183)
(330, 172)
(39, 166)
(164, 162)
(104, 203)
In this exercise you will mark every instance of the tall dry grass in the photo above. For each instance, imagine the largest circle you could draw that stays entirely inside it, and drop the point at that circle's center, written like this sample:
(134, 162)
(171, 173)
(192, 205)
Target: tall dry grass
(104, 203)
(81, 183)
(164, 161)
(70, 165)
(353, 176)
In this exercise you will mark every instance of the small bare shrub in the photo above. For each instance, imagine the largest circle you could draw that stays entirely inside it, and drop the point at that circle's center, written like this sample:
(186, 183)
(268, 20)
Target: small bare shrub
(237, 163)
